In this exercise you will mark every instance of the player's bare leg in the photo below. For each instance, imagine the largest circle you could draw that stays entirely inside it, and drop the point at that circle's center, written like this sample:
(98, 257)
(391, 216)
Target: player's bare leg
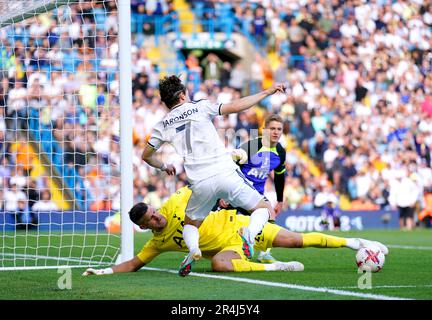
(221, 262)
(288, 239)
(191, 238)
(259, 217)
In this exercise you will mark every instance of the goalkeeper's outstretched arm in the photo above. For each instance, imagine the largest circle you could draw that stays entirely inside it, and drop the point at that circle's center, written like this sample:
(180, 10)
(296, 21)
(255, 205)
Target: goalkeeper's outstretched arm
(128, 266)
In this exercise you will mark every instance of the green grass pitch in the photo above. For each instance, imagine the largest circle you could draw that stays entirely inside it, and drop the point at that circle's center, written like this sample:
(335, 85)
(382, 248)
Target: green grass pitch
(329, 274)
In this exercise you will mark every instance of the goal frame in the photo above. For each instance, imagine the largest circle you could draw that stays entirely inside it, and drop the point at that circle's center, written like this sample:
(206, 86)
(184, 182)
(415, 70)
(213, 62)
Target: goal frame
(125, 98)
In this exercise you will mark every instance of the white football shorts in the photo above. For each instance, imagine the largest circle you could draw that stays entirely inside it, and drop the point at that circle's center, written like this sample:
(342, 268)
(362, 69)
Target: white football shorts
(232, 187)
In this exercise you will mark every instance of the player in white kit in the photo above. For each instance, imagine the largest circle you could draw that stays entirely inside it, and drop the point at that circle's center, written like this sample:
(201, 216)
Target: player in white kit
(213, 175)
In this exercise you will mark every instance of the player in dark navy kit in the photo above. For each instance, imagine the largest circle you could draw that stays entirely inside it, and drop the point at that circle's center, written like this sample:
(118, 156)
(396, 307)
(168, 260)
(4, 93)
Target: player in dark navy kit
(264, 155)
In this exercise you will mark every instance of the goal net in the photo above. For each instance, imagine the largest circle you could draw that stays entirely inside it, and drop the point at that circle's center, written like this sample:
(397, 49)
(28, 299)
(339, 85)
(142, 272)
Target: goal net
(59, 133)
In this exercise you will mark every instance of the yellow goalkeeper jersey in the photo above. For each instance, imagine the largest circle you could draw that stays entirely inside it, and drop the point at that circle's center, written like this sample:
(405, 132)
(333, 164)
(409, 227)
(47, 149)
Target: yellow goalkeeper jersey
(217, 232)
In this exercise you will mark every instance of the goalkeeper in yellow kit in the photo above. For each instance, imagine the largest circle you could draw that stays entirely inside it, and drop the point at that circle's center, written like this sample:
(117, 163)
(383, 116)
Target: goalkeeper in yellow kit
(219, 239)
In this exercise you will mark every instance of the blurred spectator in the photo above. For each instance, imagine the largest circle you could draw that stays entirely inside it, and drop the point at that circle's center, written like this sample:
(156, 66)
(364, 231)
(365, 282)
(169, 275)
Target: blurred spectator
(16, 105)
(403, 196)
(31, 192)
(325, 196)
(24, 218)
(257, 75)
(306, 129)
(194, 77)
(293, 193)
(12, 196)
(19, 178)
(259, 25)
(238, 77)
(296, 36)
(45, 204)
(158, 196)
(212, 67)
(225, 74)
(330, 215)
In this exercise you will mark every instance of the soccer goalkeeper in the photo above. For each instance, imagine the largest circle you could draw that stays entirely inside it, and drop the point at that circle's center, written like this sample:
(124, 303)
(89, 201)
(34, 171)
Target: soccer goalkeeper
(219, 239)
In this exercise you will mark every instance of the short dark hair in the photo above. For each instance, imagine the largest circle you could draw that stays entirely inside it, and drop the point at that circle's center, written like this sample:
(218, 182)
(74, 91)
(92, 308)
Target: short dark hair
(137, 212)
(170, 89)
(273, 117)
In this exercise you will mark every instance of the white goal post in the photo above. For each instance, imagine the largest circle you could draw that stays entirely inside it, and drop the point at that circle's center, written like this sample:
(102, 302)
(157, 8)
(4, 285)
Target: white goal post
(66, 178)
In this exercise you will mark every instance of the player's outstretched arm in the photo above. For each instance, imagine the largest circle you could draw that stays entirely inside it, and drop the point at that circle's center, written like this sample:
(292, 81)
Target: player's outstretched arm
(249, 101)
(128, 266)
(148, 156)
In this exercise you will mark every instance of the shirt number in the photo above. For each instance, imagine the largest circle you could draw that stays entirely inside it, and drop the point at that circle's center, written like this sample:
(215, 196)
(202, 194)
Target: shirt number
(185, 129)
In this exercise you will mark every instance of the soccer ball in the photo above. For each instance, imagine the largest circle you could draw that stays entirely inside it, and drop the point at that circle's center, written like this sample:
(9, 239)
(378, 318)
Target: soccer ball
(370, 259)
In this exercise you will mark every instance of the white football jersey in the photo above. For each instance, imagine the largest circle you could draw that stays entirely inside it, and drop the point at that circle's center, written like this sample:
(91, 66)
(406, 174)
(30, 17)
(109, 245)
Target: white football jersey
(190, 130)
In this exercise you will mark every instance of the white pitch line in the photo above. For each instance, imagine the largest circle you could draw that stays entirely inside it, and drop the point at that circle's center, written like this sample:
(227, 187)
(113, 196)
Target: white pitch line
(389, 286)
(202, 275)
(396, 246)
(287, 285)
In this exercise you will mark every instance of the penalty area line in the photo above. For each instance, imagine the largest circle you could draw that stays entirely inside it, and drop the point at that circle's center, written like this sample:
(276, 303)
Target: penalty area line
(286, 285)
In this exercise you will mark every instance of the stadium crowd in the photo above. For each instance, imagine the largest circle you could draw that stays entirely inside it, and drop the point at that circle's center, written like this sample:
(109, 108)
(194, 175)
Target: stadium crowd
(358, 105)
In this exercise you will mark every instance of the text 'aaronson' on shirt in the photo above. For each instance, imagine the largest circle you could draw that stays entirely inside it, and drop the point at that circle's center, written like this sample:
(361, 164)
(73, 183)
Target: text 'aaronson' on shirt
(182, 116)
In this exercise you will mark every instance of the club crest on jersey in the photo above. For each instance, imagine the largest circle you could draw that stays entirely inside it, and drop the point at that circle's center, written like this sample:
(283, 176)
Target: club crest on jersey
(183, 116)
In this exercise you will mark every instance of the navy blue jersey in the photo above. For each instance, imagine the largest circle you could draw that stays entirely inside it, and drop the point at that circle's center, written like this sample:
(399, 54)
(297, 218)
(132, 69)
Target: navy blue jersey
(261, 161)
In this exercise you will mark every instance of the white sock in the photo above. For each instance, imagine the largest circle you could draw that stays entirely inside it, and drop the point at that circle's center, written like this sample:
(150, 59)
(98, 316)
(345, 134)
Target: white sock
(257, 221)
(271, 267)
(191, 237)
(353, 243)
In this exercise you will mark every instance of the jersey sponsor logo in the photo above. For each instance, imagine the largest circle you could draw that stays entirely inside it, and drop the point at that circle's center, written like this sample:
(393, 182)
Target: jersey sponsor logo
(258, 173)
(178, 236)
(182, 116)
(261, 172)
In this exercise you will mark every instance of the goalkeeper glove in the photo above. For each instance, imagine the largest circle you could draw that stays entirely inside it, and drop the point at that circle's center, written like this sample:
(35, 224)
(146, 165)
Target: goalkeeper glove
(239, 155)
(98, 272)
